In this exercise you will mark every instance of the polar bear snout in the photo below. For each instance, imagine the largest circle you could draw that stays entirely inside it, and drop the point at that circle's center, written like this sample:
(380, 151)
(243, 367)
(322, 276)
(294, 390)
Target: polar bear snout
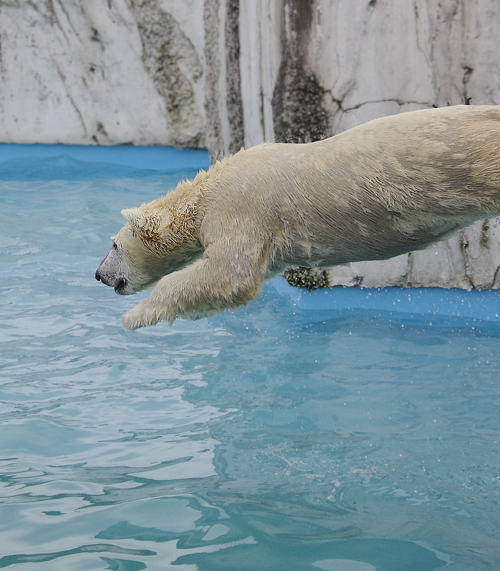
(119, 283)
(99, 277)
(112, 271)
(103, 277)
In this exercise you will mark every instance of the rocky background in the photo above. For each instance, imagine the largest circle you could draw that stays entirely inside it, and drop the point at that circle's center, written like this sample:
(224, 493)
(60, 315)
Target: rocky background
(223, 74)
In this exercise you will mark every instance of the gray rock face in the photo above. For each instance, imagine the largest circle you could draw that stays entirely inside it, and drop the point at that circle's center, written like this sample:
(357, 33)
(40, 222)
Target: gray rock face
(231, 73)
(297, 102)
(173, 64)
(94, 72)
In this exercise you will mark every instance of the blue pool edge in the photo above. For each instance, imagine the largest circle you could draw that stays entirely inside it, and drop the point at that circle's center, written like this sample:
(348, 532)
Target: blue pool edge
(476, 304)
(56, 162)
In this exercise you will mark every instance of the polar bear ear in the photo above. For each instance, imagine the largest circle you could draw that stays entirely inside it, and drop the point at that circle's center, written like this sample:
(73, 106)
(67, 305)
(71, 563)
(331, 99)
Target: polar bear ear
(135, 217)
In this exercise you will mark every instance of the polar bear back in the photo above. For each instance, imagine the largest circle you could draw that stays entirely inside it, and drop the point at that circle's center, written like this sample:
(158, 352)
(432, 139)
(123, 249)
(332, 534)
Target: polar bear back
(375, 190)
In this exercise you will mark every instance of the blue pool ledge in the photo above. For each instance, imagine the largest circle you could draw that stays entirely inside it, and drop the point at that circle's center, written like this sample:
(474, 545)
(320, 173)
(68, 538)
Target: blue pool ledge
(88, 162)
(481, 305)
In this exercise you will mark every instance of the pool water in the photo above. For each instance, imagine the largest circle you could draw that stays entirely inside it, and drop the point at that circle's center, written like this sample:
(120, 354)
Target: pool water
(275, 437)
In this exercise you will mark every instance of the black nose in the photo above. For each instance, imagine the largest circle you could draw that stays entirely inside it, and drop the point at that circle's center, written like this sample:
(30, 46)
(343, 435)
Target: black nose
(98, 276)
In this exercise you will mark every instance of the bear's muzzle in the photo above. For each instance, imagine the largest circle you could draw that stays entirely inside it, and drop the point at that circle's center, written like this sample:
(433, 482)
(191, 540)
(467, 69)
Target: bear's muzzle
(118, 283)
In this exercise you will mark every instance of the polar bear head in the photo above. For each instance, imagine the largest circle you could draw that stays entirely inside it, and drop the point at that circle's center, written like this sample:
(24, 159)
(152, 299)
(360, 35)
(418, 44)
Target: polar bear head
(156, 240)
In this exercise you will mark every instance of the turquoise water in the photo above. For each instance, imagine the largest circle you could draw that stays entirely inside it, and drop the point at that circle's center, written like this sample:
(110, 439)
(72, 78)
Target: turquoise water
(291, 435)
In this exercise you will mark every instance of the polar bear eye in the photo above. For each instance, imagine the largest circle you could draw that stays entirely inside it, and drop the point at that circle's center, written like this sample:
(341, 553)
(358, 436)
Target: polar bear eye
(115, 247)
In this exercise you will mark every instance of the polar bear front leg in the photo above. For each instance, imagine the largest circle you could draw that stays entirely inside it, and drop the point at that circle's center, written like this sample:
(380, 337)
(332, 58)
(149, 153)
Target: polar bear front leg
(210, 285)
(141, 315)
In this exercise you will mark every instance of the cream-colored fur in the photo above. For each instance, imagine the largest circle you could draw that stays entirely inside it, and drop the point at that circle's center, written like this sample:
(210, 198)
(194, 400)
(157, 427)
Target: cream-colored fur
(387, 187)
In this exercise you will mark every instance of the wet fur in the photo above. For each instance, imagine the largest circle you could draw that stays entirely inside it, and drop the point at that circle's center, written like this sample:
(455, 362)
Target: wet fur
(382, 189)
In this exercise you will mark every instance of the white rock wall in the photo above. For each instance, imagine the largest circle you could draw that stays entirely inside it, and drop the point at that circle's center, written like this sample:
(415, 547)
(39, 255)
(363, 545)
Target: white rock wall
(406, 56)
(102, 72)
(228, 73)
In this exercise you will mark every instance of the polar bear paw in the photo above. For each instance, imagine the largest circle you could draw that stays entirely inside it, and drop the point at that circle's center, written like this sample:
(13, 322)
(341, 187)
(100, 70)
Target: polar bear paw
(139, 316)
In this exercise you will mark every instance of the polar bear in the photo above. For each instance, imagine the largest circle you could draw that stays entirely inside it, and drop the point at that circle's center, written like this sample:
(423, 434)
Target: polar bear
(376, 191)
